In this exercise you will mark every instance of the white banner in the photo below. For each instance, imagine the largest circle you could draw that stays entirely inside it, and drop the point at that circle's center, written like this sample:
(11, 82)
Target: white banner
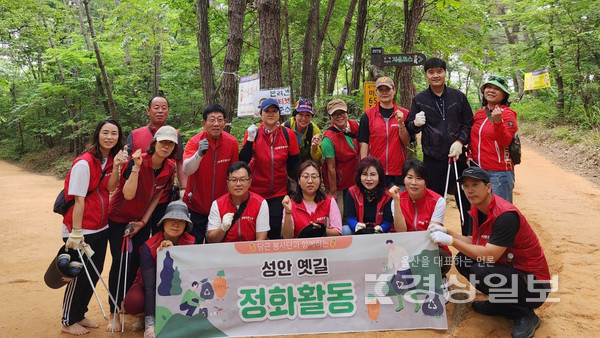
(282, 95)
(248, 86)
(299, 286)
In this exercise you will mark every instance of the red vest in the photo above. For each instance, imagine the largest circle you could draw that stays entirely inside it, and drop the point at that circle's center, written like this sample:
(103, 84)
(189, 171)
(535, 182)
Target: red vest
(346, 158)
(359, 205)
(528, 254)
(384, 140)
(244, 229)
(269, 163)
(122, 210)
(95, 211)
(142, 137)
(489, 142)
(209, 181)
(302, 218)
(418, 214)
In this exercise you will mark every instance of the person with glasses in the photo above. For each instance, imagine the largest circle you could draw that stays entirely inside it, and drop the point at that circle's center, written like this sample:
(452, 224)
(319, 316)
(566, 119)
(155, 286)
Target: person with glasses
(310, 212)
(206, 158)
(307, 133)
(272, 152)
(340, 150)
(368, 202)
(444, 118)
(239, 215)
(500, 255)
(494, 127)
(382, 133)
(140, 138)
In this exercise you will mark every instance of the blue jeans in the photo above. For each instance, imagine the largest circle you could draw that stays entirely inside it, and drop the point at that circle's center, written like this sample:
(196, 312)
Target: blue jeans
(503, 183)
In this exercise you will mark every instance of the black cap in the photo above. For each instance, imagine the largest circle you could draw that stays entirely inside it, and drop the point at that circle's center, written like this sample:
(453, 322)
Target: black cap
(476, 173)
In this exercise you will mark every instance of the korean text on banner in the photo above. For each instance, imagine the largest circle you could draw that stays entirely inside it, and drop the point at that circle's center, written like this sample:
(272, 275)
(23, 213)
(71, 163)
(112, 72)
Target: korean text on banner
(538, 79)
(248, 86)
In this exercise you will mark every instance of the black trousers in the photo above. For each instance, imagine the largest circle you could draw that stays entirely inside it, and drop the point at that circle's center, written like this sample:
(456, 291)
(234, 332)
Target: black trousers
(438, 171)
(275, 217)
(199, 222)
(115, 240)
(498, 280)
(79, 291)
(158, 213)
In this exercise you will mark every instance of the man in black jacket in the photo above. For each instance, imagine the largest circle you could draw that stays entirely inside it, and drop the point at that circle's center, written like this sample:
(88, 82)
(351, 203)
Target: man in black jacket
(444, 118)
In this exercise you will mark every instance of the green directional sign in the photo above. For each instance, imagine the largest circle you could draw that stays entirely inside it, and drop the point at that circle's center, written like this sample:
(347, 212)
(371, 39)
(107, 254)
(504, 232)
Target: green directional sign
(378, 58)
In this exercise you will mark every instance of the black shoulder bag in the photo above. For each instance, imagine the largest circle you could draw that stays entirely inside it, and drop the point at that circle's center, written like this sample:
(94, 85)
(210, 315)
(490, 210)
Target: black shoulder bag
(61, 205)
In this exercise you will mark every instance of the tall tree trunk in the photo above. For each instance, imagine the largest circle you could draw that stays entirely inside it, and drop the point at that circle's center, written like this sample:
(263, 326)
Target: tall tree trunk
(73, 144)
(111, 102)
(320, 36)
(157, 60)
(286, 25)
(361, 23)
(269, 49)
(513, 39)
(307, 48)
(231, 64)
(413, 13)
(206, 65)
(340, 49)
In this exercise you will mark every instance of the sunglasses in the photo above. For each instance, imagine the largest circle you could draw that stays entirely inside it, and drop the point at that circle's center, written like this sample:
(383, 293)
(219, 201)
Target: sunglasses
(501, 80)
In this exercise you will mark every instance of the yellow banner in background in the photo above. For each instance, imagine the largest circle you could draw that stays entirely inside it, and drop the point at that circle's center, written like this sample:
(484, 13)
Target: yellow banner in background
(537, 79)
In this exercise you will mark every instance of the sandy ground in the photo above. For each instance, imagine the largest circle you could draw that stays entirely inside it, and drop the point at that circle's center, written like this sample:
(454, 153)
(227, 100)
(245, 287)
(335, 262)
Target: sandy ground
(563, 208)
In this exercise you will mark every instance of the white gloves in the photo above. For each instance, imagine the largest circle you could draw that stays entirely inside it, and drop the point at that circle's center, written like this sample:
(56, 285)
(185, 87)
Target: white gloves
(420, 119)
(455, 149)
(378, 229)
(436, 227)
(75, 240)
(252, 130)
(227, 219)
(439, 237)
(360, 226)
(202, 147)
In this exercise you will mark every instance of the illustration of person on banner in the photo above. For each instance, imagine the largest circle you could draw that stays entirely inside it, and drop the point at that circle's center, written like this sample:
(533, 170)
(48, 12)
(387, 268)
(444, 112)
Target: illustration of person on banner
(310, 212)
(501, 256)
(403, 280)
(239, 215)
(191, 300)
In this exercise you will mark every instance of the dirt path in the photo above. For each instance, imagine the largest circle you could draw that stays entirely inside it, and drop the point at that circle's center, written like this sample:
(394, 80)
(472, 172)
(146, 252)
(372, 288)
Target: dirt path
(563, 208)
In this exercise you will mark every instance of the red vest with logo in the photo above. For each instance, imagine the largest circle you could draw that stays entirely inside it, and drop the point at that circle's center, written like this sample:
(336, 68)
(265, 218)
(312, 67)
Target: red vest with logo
(490, 141)
(269, 163)
(417, 214)
(384, 140)
(302, 218)
(95, 212)
(528, 255)
(244, 229)
(209, 181)
(122, 210)
(346, 158)
(359, 204)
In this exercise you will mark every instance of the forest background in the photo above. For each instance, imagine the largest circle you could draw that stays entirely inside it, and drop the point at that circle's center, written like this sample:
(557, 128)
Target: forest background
(66, 64)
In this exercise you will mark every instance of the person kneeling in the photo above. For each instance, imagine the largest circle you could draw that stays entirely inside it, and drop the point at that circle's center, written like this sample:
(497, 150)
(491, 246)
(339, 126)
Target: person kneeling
(501, 253)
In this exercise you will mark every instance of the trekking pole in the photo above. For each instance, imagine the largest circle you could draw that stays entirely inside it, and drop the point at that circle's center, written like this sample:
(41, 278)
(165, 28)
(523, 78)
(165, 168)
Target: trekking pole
(129, 249)
(462, 219)
(447, 177)
(101, 279)
(118, 285)
(91, 284)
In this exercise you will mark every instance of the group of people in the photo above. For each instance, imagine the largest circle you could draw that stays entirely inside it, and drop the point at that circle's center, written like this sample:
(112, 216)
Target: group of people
(290, 180)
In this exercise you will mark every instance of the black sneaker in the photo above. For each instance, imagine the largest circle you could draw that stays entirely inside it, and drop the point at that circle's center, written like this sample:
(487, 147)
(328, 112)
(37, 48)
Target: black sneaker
(487, 308)
(525, 327)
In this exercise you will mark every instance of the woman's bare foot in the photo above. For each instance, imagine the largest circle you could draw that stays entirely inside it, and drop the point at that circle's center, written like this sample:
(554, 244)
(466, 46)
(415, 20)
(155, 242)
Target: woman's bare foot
(88, 323)
(114, 323)
(75, 329)
(138, 325)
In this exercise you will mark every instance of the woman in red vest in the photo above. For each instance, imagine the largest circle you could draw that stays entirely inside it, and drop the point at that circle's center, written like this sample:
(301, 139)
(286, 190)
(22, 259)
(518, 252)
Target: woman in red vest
(311, 213)
(340, 150)
(420, 207)
(174, 229)
(143, 182)
(92, 175)
(368, 203)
